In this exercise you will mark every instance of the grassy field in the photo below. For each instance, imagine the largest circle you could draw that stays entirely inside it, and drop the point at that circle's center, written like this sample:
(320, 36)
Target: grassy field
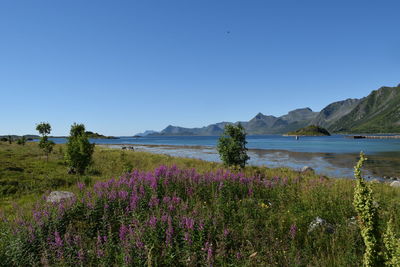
(166, 211)
(25, 175)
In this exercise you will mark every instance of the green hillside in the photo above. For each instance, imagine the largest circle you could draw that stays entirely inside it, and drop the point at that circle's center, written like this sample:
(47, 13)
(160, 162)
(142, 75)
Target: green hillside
(379, 112)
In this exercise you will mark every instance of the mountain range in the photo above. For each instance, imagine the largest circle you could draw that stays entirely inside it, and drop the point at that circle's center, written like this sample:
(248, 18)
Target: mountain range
(379, 112)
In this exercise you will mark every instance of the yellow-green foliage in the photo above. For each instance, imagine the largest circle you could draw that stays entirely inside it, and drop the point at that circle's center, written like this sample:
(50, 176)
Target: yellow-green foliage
(367, 215)
(392, 246)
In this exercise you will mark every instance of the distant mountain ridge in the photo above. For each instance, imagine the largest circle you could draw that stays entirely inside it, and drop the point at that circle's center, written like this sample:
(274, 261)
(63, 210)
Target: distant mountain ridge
(379, 112)
(260, 124)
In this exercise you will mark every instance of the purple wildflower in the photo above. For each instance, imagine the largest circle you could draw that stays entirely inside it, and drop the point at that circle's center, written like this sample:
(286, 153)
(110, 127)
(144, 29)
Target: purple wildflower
(201, 226)
(251, 191)
(169, 232)
(208, 248)
(123, 194)
(176, 200)
(226, 232)
(80, 186)
(123, 232)
(166, 199)
(133, 201)
(160, 171)
(188, 223)
(100, 253)
(293, 231)
(187, 238)
(139, 244)
(81, 255)
(153, 221)
(154, 201)
(164, 218)
(127, 259)
(57, 239)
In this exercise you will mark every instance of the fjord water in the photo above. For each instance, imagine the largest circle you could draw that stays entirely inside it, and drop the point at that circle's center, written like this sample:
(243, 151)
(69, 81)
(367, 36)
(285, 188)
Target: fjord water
(329, 155)
(321, 144)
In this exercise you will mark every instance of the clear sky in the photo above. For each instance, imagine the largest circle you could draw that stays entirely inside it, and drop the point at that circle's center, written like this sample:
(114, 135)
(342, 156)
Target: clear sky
(121, 67)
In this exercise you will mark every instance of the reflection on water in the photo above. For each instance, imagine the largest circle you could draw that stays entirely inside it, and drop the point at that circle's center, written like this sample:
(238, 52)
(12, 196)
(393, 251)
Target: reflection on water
(331, 164)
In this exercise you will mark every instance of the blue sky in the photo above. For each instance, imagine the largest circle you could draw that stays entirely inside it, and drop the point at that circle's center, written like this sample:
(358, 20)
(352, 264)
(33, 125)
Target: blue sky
(121, 67)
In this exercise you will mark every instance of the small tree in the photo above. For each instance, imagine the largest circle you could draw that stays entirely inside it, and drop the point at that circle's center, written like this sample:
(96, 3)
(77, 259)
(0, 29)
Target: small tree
(232, 146)
(45, 144)
(10, 139)
(79, 149)
(21, 141)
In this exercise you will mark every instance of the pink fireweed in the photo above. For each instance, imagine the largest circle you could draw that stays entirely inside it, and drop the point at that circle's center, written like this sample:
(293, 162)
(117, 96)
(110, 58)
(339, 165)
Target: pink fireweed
(153, 221)
(128, 218)
(293, 231)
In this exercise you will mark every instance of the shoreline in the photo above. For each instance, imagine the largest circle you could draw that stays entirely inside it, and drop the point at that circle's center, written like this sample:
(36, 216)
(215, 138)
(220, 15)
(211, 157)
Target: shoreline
(338, 165)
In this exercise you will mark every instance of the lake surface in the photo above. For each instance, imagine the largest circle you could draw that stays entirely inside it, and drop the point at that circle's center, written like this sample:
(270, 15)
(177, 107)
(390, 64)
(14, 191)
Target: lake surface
(329, 155)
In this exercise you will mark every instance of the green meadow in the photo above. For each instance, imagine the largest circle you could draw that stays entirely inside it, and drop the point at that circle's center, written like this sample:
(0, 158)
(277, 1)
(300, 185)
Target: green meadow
(166, 211)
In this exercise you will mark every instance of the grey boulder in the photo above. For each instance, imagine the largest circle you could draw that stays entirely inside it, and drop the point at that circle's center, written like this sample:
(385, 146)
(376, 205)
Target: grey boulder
(395, 184)
(307, 169)
(319, 223)
(58, 196)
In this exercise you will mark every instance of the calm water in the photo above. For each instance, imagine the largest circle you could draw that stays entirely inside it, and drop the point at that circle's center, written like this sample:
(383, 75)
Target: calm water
(328, 155)
(325, 144)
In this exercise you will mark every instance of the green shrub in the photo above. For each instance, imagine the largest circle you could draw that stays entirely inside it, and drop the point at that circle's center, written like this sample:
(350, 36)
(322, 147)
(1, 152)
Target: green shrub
(79, 149)
(232, 146)
(21, 141)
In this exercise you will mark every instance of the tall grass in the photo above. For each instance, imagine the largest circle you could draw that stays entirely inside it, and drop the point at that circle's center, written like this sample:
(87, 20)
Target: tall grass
(25, 174)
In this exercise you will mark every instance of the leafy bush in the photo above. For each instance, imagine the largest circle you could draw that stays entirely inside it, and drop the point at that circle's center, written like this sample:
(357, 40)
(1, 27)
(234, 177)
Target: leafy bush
(232, 146)
(79, 150)
(21, 141)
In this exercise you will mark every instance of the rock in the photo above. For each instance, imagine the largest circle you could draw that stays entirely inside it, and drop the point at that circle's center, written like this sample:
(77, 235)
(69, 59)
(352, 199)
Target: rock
(307, 169)
(319, 223)
(395, 184)
(352, 221)
(58, 196)
(375, 181)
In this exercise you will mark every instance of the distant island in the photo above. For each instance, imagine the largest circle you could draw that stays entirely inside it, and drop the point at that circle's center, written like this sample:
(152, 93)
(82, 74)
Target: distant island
(311, 130)
(99, 136)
